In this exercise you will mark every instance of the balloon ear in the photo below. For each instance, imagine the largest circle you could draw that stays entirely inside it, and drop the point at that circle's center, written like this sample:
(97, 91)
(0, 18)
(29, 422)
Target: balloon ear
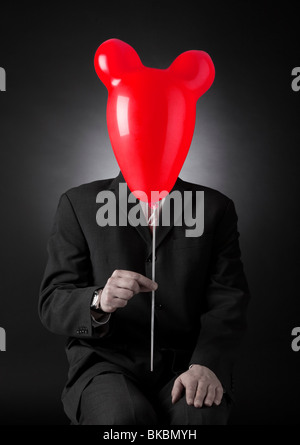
(113, 59)
(195, 69)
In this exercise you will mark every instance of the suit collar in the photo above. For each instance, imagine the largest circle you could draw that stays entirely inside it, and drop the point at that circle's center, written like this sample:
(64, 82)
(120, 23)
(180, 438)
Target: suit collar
(144, 231)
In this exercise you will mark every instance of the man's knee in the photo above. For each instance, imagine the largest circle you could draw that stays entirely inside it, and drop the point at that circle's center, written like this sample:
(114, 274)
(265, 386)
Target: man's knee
(114, 400)
(139, 414)
(117, 414)
(183, 414)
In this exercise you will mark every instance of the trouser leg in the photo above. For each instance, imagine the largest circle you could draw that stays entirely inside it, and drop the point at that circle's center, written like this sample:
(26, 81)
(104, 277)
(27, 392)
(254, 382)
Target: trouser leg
(182, 414)
(114, 399)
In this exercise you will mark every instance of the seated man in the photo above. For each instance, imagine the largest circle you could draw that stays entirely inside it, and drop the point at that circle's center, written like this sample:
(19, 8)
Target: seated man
(97, 292)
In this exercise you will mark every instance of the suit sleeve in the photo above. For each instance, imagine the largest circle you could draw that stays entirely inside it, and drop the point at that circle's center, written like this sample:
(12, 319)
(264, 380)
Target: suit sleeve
(67, 287)
(224, 320)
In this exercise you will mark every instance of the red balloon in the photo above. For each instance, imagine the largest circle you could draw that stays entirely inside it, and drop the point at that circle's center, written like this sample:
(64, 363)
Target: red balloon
(151, 113)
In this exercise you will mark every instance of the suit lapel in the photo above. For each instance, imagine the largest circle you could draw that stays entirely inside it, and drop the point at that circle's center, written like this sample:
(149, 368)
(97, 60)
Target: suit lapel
(143, 229)
(125, 207)
(161, 230)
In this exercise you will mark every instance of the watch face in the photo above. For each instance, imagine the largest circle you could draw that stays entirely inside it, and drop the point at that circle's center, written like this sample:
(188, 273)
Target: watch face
(95, 299)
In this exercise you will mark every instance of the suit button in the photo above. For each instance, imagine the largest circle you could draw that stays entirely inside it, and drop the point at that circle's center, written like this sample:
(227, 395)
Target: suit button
(158, 307)
(82, 330)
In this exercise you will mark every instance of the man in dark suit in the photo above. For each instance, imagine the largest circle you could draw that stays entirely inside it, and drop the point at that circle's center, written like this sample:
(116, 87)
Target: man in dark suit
(201, 296)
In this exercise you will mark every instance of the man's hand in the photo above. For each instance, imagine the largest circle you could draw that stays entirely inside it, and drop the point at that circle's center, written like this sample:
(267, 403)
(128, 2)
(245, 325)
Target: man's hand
(201, 386)
(121, 287)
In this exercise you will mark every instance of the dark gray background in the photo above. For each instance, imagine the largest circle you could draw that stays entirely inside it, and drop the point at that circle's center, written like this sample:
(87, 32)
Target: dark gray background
(246, 144)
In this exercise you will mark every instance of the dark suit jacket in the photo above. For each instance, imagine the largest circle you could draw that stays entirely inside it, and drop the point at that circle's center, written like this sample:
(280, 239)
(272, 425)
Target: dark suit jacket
(200, 302)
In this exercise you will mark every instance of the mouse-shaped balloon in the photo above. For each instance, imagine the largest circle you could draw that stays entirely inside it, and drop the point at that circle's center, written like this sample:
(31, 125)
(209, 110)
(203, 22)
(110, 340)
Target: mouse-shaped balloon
(151, 113)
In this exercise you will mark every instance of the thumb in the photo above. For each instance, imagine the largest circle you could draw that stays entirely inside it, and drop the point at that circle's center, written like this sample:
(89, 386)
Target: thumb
(151, 287)
(177, 390)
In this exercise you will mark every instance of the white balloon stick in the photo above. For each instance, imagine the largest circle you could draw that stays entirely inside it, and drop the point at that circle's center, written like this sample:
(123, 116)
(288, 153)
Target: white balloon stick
(152, 222)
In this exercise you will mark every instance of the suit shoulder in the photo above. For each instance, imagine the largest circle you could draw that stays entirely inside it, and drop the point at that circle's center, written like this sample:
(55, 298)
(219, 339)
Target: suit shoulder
(211, 194)
(88, 190)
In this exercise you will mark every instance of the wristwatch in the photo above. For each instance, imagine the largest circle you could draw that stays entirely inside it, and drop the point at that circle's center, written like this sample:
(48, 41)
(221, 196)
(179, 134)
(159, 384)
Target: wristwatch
(95, 306)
